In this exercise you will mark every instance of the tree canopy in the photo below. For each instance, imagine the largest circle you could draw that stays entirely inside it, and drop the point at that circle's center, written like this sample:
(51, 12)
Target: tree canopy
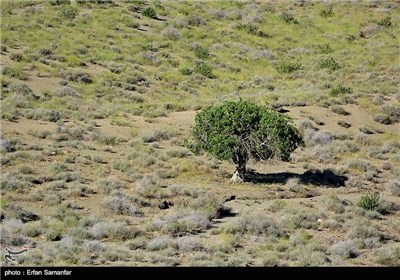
(242, 130)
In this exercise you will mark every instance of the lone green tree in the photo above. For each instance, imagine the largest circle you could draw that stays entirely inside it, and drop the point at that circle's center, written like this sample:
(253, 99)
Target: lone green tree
(240, 131)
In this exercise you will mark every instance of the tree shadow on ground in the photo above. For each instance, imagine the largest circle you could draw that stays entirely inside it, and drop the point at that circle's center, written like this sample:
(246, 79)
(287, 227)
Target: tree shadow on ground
(326, 178)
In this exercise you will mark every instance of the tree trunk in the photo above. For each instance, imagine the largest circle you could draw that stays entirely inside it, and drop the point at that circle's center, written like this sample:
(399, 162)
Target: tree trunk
(238, 176)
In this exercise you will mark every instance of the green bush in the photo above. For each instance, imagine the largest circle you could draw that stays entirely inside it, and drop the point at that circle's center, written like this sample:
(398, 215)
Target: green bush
(201, 53)
(205, 70)
(329, 63)
(149, 12)
(59, 2)
(185, 71)
(14, 72)
(370, 202)
(239, 131)
(252, 29)
(339, 90)
(325, 48)
(69, 12)
(386, 22)
(286, 67)
(288, 18)
(327, 12)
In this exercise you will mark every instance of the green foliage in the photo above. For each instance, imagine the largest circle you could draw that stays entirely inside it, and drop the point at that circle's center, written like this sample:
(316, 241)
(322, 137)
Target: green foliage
(287, 67)
(243, 130)
(69, 12)
(386, 22)
(288, 18)
(98, 2)
(339, 90)
(149, 12)
(185, 71)
(329, 63)
(201, 53)
(205, 70)
(327, 12)
(370, 202)
(14, 72)
(252, 29)
(325, 48)
(59, 2)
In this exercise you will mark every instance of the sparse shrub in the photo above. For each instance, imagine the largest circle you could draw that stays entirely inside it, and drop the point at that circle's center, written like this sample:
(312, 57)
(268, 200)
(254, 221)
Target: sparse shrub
(325, 48)
(201, 52)
(183, 222)
(171, 33)
(68, 12)
(253, 29)
(14, 72)
(328, 12)
(195, 20)
(82, 78)
(344, 124)
(110, 184)
(354, 182)
(121, 205)
(45, 115)
(178, 153)
(66, 91)
(394, 187)
(149, 12)
(10, 146)
(186, 71)
(288, 18)
(324, 154)
(56, 168)
(388, 256)
(293, 184)
(339, 90)
(393, 112)
(334, 204)
(160, 243)
(148, 187)
(360, 165)
(59, 2)
(287, 67)
(340, 111)
(78, 77)
(366, 130)
(386, 22)
(318, 137)
(300, 237)
(157, 135)
(16, 57)
(205, 70)
(256, 224)
(329, 63)
(346, 249)
(11, 233)
(371, 242)
(189, 244)
(370, 202)
(383, 119)
(122, 166)
(218, 14)
(24, 90)
(118, 231)
(45, 52)
(25, 169)
(95, 247)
